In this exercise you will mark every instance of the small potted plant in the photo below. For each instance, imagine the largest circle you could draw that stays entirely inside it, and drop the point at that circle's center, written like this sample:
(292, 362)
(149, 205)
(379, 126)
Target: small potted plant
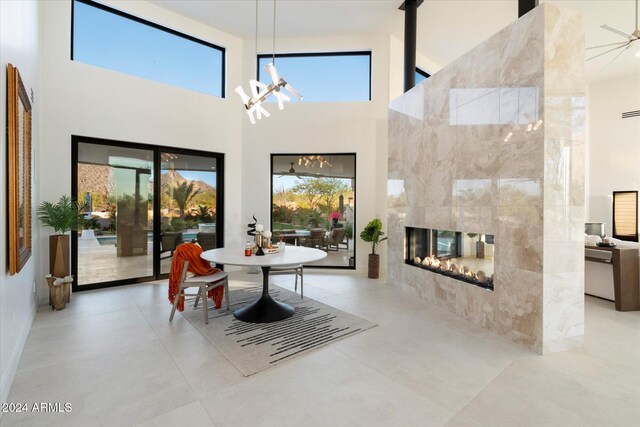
(372, 233)
(334, 217)
(63, 216)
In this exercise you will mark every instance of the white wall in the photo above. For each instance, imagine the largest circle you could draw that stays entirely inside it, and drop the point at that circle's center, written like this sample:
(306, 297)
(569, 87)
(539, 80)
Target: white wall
(614, 144)
(81, 99)
(350, 127)
(18, 46)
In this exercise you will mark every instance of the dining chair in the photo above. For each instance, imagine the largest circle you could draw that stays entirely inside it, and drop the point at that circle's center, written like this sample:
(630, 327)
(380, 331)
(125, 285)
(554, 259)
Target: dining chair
(205, 284)
(298, 270)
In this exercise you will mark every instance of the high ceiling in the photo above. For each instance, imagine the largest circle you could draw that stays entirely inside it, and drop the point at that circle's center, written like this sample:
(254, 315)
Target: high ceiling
(446, 28)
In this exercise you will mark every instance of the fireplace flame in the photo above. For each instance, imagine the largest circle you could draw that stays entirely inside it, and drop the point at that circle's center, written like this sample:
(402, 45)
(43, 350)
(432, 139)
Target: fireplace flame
(445, 266)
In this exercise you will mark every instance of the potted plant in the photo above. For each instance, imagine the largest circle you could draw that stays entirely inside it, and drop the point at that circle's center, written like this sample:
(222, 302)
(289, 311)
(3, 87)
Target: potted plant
(372, 233)
(334, 217)
(63, 216)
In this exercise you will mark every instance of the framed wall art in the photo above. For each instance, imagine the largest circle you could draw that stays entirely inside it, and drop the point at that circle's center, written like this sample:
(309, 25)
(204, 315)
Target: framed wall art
(19, 170)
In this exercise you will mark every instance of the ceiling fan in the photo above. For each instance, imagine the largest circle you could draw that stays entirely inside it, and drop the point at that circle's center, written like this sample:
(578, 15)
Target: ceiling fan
(631, 39)
(291, 171)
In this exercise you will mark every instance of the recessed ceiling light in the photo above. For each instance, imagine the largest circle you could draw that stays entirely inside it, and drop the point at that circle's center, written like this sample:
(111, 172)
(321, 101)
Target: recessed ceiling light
(638, 54)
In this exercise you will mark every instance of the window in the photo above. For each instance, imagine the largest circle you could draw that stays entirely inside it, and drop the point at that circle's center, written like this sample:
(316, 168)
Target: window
(114, 40)
(421, 75)
(323, 77)
(313, 203)
(625, 215)
(142, 201)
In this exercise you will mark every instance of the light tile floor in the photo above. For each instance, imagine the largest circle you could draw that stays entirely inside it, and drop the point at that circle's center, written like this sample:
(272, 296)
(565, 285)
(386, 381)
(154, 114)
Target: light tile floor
(116, 358)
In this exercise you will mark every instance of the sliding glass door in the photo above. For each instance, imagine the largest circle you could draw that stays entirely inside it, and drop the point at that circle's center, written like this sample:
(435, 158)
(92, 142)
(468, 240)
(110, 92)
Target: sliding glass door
(188, 203)
(133, 221)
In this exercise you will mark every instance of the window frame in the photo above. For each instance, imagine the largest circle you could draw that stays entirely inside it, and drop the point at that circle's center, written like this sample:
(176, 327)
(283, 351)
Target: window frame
(355, 206)
(142, 21)
(368, 53)
(422, 72)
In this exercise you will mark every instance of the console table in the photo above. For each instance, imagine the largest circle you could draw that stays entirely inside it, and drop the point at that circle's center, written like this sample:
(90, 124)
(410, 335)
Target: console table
(624, 262)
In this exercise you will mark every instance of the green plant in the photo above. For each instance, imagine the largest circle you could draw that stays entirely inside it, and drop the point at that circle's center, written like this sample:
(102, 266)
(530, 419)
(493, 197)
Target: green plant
(90, 224)
(314, 219)
(64, 216)
(348, 230)
(178, 224)
(372, 233)
(204, 214)
(183, 194)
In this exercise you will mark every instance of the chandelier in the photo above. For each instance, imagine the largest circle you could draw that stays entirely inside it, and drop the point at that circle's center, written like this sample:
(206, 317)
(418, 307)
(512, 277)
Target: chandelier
(311, 161)
(260, 91)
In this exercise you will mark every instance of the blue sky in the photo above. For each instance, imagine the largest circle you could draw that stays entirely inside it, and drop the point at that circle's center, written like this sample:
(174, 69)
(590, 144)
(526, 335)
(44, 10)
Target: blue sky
(110, 41)
(323, 78)
(208, 177)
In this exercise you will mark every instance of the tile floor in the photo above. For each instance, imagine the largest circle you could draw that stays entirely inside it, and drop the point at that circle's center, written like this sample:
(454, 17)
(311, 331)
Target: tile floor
(115, 357)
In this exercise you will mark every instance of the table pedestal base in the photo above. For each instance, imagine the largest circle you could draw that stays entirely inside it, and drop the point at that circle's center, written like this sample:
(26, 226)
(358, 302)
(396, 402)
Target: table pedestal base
(266, 309)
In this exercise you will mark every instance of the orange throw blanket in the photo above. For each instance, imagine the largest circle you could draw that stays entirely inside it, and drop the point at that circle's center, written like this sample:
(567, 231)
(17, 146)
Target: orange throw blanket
(191, 252)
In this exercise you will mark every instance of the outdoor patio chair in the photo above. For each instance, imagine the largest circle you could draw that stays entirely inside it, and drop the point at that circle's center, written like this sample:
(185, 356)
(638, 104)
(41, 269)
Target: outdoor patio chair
(169, 240)
(298, 270)
(204, 285)
(207, 240)
(316, 238)
(335, 239)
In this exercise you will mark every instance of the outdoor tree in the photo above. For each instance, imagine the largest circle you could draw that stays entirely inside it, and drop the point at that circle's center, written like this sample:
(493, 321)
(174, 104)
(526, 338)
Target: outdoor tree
(322, 192)
(183, 194)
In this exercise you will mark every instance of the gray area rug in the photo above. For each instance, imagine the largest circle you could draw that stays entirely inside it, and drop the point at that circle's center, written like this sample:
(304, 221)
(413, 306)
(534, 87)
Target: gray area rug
(253, 347)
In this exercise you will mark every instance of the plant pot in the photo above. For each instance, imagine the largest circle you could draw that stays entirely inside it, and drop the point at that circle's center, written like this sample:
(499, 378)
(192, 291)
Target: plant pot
(59, 295)
(374, 266)
(479, 249)
(59, 255)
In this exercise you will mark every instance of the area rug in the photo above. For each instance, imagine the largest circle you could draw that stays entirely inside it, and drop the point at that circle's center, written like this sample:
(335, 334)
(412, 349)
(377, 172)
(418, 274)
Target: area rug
(253, 347)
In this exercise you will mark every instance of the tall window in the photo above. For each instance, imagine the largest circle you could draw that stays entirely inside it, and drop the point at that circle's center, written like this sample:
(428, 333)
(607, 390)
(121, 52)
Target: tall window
(323, 77)
(421, 75)
(313, 204)
(114, 40)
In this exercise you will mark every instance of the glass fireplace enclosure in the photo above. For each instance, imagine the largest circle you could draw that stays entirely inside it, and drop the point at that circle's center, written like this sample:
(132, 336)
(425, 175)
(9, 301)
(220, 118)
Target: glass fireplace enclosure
(141, 202)
(466, 256)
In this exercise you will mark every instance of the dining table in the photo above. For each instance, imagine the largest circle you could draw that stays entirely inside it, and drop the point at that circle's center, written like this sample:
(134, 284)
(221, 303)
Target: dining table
(265, 309)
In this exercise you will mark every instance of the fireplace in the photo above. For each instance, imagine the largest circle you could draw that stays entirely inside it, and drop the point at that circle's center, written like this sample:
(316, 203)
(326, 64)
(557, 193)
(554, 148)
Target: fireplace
(461, 255)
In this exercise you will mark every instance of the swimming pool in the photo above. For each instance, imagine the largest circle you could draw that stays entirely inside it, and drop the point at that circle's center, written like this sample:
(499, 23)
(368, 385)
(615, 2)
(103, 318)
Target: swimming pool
(111, 240)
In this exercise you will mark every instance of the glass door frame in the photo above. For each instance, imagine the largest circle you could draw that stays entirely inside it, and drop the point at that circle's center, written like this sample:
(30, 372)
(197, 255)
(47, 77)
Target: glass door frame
(76, 140)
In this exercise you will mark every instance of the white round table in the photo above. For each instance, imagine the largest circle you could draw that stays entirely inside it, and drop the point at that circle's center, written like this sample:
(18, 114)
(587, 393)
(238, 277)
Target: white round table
(265, 309)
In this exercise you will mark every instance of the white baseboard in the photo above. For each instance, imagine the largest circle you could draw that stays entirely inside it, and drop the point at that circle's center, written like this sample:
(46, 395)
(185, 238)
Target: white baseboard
(10, 374)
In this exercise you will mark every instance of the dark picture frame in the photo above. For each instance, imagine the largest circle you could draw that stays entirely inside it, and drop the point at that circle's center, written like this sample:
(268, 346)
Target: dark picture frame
(19, 170)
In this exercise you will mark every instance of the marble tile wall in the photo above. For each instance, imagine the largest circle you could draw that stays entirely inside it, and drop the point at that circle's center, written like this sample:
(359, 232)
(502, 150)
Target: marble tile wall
(494, 142)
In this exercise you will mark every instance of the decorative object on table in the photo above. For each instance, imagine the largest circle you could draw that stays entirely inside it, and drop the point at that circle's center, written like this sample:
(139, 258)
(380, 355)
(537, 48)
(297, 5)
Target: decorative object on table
(64, 216)
(252, 348)
(19, 170)
(260, 91)
(607, 242)
(59, 291)
(372, 233)
(259, 239)
(252, 226)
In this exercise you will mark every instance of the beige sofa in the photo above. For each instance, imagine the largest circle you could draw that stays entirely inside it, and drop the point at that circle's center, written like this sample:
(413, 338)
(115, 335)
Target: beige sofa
(598, 277)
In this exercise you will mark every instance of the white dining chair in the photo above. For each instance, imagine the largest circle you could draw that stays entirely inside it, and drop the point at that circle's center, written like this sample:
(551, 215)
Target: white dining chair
(298, 270)
(204, 285)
